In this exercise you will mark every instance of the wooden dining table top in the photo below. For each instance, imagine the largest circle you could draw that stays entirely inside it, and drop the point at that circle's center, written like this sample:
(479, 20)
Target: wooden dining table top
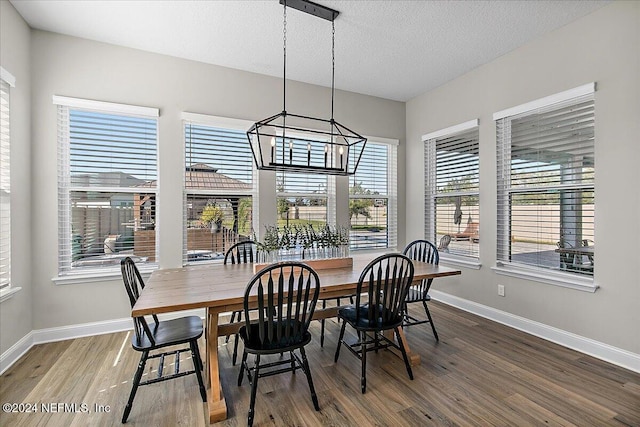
(218, 286)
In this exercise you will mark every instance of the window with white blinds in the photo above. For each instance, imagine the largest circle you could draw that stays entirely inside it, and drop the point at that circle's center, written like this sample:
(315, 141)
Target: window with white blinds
(107, 185)
(5, 182)
(219, 187)
(373, 198)
(302, 198)
(546, 184)
(452, 187)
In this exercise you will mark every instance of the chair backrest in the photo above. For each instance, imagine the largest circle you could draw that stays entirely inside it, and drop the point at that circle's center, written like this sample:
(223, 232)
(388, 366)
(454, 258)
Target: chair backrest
(425, 251)
(388, 278)
(134, 284)
(444, 243)
(241, 253)
(286, 294)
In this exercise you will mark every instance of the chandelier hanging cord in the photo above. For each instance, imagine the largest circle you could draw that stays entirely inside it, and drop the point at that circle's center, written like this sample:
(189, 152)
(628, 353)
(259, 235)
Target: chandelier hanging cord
(284, 56)
(333, 64)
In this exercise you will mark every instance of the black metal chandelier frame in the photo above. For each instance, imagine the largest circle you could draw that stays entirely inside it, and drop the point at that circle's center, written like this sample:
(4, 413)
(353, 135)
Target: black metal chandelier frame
(331, 148)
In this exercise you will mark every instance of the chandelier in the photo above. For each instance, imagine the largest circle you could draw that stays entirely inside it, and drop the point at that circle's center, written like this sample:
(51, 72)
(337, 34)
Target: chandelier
(298, 143)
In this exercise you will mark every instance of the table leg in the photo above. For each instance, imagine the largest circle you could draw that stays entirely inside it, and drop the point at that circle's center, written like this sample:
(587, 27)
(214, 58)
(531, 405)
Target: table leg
(215, 398)
(414, 358)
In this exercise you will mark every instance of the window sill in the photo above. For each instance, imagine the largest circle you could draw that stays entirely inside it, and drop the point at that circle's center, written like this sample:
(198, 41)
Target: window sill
(88, 277)
(5, 294)
(564, 280)
(459, 261)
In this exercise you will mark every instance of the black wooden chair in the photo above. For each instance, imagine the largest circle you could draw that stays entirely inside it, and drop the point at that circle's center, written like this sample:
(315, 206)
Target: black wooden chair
(425, 251)
(240, 253)
(285, 295)
(387, 279)
(160, 334)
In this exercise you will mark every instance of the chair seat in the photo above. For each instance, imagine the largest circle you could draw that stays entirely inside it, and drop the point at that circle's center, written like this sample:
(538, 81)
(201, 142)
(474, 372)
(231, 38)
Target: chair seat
(362, 322)
(170, 332)
(287, 340)
(415, 295)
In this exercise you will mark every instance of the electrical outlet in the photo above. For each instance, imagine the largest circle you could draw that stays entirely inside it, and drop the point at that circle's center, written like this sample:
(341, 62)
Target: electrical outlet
(501, 290)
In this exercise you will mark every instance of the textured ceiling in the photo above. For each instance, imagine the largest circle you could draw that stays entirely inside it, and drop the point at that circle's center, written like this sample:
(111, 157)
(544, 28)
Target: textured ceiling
(390, 49)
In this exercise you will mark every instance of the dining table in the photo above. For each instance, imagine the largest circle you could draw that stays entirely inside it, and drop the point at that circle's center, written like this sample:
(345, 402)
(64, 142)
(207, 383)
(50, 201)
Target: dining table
(219, 288)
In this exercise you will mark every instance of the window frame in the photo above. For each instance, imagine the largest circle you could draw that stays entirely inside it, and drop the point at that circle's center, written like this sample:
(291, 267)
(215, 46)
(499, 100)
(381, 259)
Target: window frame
(8, 82)
(66, 273)
(429, 141)
(391, 196)
(217, 122)
(565, 279)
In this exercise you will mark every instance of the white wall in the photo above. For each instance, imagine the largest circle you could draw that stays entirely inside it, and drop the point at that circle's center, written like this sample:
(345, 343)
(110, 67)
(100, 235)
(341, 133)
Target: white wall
(603, 47)
(80, 68)
(15, 44)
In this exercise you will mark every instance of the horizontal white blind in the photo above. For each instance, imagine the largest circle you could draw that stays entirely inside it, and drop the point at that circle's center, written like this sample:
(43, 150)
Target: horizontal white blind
(457, 159)
(107, 189)
(109, 150)
(452, 187)
(225, 152)
(372, 223)
(5, 188)
(546, 173)
(219, 178)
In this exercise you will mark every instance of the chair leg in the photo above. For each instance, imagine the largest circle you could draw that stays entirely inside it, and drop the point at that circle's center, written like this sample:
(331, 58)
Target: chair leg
(233, 317)
(197, 362)
(234, 358)
(235, 343)
(136, 383)
(324, 305)
(307, 371)
(254, 389)
(293, 362)
(363, 377)
(242, 368)
(433, 327)
(404, 353)
(344, 326)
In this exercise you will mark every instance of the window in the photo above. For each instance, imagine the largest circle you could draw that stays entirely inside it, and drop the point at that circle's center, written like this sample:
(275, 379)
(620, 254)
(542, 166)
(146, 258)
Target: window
(6, 81)
(546, 184)
(302, 199)
(219, 186)
(373, 198)
(452, 189)
(107, 180)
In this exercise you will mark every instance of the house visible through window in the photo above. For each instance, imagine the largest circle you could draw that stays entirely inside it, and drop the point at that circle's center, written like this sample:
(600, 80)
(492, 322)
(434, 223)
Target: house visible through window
(452, 189)
(219, 187)
(546, 184)
(372, 198)
(6, 81)
(107, 185)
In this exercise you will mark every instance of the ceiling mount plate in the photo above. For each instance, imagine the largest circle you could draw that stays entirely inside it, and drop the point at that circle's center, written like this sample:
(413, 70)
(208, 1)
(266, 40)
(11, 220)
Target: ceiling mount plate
(312, 9)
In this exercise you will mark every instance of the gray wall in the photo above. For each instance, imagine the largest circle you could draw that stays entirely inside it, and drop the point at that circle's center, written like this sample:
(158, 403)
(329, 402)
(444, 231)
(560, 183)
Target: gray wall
(81, 68)
(603, 47)
(15, 45)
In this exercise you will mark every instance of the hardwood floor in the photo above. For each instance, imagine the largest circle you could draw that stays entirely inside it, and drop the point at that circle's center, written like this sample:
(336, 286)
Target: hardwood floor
(480, 374)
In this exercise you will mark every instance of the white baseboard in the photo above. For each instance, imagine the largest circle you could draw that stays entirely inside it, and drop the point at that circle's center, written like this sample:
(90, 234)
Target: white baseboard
(15, 352)
(608, 353)
(602, 351)
(61, 333)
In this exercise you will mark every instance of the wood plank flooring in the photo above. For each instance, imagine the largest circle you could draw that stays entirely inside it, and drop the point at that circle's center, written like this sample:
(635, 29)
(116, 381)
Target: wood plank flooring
(480, 374)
